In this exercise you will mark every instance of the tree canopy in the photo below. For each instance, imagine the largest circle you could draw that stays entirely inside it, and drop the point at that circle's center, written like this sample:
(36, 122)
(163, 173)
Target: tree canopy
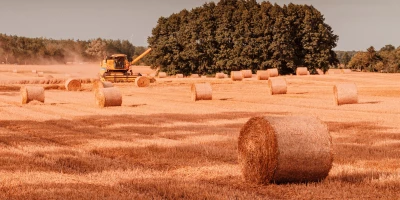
(242, 34)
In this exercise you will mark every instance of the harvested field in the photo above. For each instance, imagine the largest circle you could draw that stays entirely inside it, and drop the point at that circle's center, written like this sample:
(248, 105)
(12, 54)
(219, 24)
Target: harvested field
(159, 144)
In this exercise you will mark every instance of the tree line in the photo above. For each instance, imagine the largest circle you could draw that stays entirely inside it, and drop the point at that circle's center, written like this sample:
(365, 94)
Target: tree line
(242, 34)
(24, 50)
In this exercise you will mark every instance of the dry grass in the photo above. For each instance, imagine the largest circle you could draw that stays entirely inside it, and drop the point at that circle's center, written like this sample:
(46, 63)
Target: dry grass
(160, 145)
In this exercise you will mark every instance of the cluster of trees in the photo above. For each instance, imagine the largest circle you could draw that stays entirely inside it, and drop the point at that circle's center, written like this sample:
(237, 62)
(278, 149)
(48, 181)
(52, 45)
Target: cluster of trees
(242, 34)
(23, 50)
(387, 59)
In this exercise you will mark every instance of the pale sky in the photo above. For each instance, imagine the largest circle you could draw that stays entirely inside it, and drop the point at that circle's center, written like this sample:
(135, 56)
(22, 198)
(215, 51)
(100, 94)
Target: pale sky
(359, 23)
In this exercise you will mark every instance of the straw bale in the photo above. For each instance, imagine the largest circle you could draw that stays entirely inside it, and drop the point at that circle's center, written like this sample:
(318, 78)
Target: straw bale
(273, 72)
(219, 75)
(203, 76)
(32, 93)
(194, 76)
(345, 93)
(302, 71)
(277, 85)
(274, 149)
(247, 73)
(142, 81)
(98, 84)
(40, 74)
(72, 84)
(34, 71)
(226, 75)
(201, 91)
(106, 97)
(236, 75)
(346, 71)
(320, 72)
(179, 76)
(262, 75)
(15, 70)
(162, 75)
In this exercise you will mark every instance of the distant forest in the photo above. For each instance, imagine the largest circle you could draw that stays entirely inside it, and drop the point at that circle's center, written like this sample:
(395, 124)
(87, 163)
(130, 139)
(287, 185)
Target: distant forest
(23, 50)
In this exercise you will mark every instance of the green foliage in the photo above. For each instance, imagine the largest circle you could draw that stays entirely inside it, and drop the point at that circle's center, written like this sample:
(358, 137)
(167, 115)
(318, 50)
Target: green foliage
(23, 50)
(242, 34)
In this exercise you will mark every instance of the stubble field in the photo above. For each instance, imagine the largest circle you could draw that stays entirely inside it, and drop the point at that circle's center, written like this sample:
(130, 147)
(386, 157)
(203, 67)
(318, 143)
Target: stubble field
(161, 145)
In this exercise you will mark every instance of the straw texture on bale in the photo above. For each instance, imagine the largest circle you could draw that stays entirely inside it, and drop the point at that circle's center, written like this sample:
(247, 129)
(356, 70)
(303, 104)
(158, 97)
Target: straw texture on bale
(194, 76)
(40, 74)
(201, 91)
(247, 73)
(72, 84)
(98, 84)
(277, 85)
(32, 93)
(320, 72)
(219, 75)
(345, 93)
(262, 75)
(142, 81)
(106, 97)
(302, 71)
(236, 75)
(179, 75)
(273, 72)
(162, 74)
(287, 149)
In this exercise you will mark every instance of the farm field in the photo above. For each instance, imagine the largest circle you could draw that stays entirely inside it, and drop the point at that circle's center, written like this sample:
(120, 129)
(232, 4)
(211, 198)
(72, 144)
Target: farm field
(162, 145)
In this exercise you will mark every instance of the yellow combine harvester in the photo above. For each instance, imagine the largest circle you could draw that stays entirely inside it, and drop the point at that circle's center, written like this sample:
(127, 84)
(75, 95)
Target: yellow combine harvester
(116, 68)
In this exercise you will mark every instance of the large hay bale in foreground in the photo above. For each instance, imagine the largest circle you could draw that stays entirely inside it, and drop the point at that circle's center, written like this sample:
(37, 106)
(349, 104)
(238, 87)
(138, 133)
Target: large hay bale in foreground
(106, 97)
(301, 71)
(247, 73)
(142, 81)
(32, 93)
(162, 74)
(286, 149)
(98, 84)
(201, 91)
(345, 93)
(73, 84)
(219, 75)
(179, 76)
(273, 72)
(236, 75)
(277, 85)
(262, 75)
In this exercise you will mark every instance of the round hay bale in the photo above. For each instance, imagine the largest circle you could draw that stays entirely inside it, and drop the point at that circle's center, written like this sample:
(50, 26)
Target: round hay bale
(142, 81)
(194, 76)
(203, 76)
(262, 75)
(201, 91)
(247, 73)
(300, 71)
(320, 72)
(32, 93)
(162, 75)
(286, 149)
(179, 76)
(34, 71)
(73, 84)
(106, 97)
(346, 71)
(273, 72)
(277, 85)
(98, 84)
(345, 93)
(236, 75)
(219, 75)
(40, 74)
(15, 70)
(226, 75)
(48, 77)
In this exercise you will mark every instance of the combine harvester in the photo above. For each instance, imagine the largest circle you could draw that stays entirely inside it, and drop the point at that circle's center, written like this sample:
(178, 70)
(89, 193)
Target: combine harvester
(116, 68)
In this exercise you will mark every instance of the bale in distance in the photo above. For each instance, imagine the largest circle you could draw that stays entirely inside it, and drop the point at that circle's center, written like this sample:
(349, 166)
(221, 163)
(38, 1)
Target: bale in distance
(247, 73)
(32, 93)
(48, 77)
(194, 76)
(346, 71)
(106, 97)
(72, 84)
(262, 75)
(301, 71)
(236, 75)
(226, 75)
(320, 72)
(219, 75)
(179, 76)
(273, 72)
(142, 81)
(40, 74)
(34, 71)
(98, 84)
(162, 74)
(277, 85)
(345, 93)
(15, 70)
(201, 91)
(286, 149)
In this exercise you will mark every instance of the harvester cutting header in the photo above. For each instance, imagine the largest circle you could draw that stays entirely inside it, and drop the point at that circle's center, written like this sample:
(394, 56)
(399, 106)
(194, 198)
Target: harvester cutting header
(116, 68)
